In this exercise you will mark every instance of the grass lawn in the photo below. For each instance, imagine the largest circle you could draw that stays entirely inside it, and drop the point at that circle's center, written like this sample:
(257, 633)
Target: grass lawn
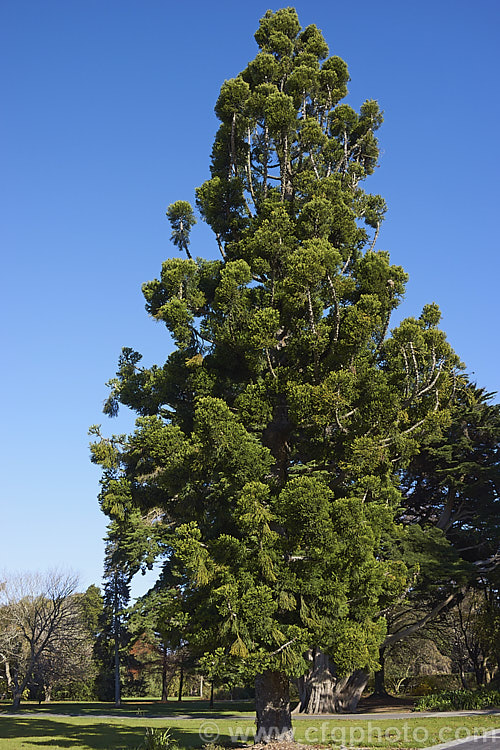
(139, 707)
(87, 732)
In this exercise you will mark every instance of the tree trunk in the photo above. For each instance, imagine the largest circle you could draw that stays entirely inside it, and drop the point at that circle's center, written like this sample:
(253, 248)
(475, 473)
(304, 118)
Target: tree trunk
(164, 683)
(462, 676)
(212, 694)
(16, 702)
(7, 674)
(322, 692)
(480, 672)
(380, 677)
(201, 686)
(117, 659)
(181, 683)
(48, 693)
(18, 688)
(272, 704)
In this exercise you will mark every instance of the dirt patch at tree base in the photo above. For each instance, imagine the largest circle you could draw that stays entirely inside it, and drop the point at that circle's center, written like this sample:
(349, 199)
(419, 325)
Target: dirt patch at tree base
(381, 704)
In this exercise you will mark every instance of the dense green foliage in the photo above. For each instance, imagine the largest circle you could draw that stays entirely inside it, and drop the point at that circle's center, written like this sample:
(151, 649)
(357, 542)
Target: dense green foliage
(450, 506)
(459, 700)
(453, 483)
(269, 446)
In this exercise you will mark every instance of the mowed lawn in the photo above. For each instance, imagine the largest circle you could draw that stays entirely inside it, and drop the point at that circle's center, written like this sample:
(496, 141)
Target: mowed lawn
(139, 707)
(85, 732)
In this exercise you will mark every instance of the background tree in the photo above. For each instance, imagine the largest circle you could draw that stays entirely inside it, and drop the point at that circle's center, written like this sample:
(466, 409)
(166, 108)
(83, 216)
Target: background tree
(67, 661)
(451, 507)
(221, 671)
(158, 618)
(75, 679)
(130, 547)
(473, 627)
(488, 625)
(424, 653)
(91, 605)
(269, 445)
(36, 611)
(113, 636)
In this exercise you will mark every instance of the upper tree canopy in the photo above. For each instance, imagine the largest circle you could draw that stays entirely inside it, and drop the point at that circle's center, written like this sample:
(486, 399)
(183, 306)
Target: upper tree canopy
(268, 446)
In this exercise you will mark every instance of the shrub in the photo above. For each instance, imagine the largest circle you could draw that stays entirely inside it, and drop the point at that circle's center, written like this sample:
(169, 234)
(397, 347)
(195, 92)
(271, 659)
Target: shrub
(459, 700)
(158, 739)
(432, 683)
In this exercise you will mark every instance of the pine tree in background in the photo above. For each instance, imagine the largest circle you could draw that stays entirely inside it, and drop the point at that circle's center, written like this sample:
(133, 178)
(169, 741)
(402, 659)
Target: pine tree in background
(268, 447)
(111, 635)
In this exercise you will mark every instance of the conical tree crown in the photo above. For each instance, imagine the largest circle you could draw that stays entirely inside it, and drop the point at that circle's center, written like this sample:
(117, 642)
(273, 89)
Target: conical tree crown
(270, 442)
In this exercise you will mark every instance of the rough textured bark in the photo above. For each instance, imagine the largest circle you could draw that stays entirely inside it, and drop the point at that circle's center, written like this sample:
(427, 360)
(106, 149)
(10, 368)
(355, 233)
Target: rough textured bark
(323, 692)
(272, 704)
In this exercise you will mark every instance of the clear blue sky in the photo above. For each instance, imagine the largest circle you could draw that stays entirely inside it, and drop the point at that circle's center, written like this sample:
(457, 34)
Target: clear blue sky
(107, 117)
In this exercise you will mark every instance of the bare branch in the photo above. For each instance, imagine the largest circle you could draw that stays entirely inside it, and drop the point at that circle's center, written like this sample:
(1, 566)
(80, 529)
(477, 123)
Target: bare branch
(339, 425)
(221, 249)
(311, 312)
(335, 307)
(285, 645)
(269, 364)
(405, 632)
(376, 237)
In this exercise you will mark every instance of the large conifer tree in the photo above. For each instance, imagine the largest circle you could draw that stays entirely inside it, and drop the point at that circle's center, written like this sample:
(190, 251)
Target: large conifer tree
(268, 445)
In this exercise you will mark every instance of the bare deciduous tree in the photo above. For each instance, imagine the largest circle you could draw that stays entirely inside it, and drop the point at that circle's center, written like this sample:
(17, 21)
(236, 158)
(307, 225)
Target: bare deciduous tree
(36, 610)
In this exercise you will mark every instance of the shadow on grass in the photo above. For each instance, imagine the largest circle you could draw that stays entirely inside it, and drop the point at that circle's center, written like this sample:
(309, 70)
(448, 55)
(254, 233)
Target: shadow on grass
(44, 732)
(38, 732)
(194, 708)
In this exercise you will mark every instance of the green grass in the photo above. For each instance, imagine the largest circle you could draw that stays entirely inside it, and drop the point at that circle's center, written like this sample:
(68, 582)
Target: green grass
(411, 732)
(90, 733)
(138, 707)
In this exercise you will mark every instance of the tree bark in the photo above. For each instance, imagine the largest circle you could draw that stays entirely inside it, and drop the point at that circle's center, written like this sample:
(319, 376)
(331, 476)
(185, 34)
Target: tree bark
(462, 676)
(322, 692)
(380, 676)
(480, 672)
(19, 687)
(117, 662)
(164, 682)
(181, 683)
(7, 674)
(276, 436)
(16, 702)
(272, 704)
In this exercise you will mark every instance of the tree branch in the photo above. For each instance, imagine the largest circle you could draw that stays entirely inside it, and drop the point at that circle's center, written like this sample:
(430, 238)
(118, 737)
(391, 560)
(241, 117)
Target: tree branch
(405, 632)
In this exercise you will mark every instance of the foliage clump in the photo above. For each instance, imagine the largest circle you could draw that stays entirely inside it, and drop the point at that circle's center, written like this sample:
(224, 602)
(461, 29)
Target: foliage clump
(459, 700)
